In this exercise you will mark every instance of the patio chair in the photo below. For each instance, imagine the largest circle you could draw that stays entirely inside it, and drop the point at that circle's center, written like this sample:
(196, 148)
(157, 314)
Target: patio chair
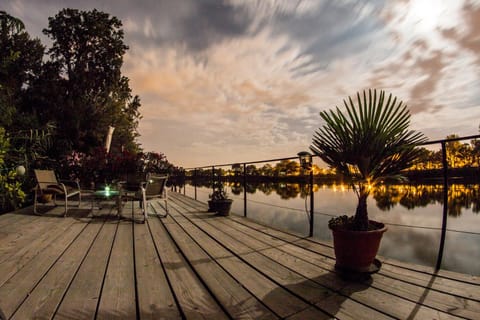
(144, 192)
(47, 184)
(155, 188)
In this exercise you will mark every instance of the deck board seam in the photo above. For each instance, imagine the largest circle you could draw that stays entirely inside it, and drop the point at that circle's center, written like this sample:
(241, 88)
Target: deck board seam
(439, 274)
(377, 288)
(309, 303)
(381, 272)
(49, 268)
(220, 266)
(78, 268)
(169, 281)
(106, 270)
(174, 295)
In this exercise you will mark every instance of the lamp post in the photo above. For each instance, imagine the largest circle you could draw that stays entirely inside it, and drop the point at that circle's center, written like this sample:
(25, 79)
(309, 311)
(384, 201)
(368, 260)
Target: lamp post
(305, 159)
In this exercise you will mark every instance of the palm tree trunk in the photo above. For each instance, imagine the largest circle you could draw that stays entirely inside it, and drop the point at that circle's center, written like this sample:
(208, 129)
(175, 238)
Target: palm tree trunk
(361, 214)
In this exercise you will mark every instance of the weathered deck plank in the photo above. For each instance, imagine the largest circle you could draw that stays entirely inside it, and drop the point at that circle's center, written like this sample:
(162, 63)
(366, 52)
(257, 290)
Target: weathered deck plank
(438, 300)
(16, 289)
(237, 301)
(195, 265)
(322, 278)
(81, 299)
(155, 298)
(195, 301)
(301, 277)
(292, 247)
(118, 293)
(56, 281)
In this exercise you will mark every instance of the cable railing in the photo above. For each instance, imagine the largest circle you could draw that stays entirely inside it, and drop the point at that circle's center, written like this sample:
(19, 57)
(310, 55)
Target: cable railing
(241, 175)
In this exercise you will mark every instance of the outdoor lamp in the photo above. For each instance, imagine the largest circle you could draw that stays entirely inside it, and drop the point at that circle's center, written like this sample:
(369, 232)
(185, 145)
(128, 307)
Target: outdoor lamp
(20, 170)
(305, 159)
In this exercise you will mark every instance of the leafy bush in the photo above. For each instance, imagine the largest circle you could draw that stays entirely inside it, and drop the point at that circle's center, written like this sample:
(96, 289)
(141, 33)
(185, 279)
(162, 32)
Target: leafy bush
(11, 193)
(100, 167)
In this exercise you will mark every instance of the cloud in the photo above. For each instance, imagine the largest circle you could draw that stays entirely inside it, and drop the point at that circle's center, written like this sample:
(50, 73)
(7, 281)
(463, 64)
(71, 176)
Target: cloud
(469, 38)
(195, 25)
(229, 81)
(241, 93)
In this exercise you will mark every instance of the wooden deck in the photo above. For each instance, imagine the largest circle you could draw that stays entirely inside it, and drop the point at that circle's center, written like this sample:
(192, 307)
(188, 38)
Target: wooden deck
(195, 265)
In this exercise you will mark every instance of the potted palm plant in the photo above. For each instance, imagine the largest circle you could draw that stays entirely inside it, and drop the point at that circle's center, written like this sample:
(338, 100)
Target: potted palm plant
(219, 201)
(369, 144)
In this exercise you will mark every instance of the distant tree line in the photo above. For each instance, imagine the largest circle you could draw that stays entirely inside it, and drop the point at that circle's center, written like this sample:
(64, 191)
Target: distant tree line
(460, 155)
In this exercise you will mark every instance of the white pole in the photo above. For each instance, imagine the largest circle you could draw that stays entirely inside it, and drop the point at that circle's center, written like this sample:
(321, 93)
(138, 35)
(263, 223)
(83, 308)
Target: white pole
(108, 140)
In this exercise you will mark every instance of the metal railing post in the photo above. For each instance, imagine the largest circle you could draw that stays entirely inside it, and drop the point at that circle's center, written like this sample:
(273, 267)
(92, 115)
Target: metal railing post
(244, 189)
(184, 182)
(445, 205)
(311, 204)
(195, 182)
(213, 178)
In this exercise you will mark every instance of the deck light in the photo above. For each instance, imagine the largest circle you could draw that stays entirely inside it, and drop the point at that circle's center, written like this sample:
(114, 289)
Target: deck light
(20, 170)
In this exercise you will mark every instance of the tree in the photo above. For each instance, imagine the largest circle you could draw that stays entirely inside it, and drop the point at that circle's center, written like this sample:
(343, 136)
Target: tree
(287, 168)
(88, 51)
(266, 170)
(251, 170)
(20, 63)
(453, 150)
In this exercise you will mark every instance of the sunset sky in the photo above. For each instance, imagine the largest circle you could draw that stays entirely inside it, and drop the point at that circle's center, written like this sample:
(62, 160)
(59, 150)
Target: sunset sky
(243, 80)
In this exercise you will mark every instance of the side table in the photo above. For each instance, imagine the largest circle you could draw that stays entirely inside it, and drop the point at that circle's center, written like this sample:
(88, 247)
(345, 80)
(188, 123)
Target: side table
(104, 195)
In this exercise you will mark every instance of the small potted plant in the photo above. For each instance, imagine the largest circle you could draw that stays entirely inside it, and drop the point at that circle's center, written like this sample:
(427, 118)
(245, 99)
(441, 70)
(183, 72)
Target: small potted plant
(219, 201)
(368, 144)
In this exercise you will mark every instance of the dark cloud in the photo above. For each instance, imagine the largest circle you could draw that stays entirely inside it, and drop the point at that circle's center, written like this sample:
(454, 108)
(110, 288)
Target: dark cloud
(428, 66)
(422, 93)
(333, 30)
(193, 24)
(190, 23)
(470, 40)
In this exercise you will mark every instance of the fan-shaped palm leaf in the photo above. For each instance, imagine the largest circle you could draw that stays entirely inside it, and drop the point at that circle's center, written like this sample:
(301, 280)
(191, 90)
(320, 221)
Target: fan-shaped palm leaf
(368, 143)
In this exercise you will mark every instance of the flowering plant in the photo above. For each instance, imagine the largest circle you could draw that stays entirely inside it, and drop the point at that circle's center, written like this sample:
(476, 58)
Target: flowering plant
(102, 167)
(219, 193)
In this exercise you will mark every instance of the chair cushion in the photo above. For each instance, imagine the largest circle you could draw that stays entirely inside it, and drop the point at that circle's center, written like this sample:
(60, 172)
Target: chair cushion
(57, 189)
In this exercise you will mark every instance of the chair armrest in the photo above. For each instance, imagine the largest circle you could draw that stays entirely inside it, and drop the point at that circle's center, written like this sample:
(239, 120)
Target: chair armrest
(57, 188)
(72, 183)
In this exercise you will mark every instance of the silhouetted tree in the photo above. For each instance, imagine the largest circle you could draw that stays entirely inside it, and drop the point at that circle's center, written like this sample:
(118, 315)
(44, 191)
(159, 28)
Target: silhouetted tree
(88, 51)
(20, 64)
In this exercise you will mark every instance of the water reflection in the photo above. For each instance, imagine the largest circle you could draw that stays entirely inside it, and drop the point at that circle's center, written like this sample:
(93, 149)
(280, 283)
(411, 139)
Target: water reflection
(413, 214)
(460, 196)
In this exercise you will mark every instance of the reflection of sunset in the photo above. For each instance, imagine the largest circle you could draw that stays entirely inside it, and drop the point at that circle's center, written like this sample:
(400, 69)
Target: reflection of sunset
(413, 216)
(460, 196)
(411, 196)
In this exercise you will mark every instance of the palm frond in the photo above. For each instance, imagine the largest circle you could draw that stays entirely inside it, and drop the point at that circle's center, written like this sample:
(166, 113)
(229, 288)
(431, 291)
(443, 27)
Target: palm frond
(371, 135)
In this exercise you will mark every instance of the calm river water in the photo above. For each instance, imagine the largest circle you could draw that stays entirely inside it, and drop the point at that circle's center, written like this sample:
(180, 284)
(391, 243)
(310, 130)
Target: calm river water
(413, 215)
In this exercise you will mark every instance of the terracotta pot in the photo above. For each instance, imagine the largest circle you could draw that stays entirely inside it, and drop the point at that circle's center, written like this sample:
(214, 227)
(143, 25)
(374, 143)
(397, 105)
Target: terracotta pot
(212, 206)
(45, 198)
(356, 250)
(222, 207)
